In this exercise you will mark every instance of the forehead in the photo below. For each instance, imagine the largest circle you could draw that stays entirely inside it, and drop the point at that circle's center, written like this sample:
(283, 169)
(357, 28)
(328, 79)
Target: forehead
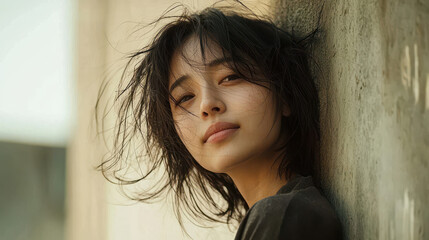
(189, 57)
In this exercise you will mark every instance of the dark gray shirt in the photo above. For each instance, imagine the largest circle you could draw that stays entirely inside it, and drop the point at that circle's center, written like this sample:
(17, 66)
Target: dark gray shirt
(298, 211)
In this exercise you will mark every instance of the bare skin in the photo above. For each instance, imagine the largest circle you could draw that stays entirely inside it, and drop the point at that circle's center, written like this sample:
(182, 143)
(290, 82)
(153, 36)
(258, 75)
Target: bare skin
(213, 93)
(257, 180)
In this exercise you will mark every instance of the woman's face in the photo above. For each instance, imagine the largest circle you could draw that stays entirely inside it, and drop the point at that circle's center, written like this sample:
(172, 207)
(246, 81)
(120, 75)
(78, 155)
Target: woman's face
(217, 97)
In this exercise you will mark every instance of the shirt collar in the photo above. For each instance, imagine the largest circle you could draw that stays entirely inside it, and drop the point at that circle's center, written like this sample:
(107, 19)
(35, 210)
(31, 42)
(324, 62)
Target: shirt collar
(296, 183)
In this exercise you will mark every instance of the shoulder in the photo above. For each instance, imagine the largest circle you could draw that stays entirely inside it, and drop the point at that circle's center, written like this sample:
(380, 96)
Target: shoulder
(309, 215)
(264, 219)
(292, 216)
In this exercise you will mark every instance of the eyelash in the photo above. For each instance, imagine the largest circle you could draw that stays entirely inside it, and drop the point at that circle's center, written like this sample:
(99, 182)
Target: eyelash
(232, 75)
(181, 99)
(235, 77)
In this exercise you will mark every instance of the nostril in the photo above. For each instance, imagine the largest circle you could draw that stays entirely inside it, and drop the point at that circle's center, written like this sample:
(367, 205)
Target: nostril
(212, 111)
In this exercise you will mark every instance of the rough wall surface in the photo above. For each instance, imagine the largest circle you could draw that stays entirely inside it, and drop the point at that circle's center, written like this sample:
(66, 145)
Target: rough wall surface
(374, 91)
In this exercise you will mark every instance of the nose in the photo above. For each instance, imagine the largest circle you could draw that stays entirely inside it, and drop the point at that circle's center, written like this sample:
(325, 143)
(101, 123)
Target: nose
(211, 104)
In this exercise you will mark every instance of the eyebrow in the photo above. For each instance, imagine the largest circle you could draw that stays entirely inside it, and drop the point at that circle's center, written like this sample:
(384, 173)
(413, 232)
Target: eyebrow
(211, 64)
(178, 82)
(219, 61)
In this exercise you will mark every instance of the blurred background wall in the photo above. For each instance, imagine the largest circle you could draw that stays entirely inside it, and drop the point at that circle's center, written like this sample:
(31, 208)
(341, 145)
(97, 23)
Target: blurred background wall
(373, 77)
(37, 115)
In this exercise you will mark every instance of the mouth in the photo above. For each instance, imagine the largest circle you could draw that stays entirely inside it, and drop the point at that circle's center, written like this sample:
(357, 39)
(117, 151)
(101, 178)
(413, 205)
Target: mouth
(219, 131)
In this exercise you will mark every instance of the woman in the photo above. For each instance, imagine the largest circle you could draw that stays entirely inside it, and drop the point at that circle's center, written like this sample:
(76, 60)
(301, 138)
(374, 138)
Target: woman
(230, 110)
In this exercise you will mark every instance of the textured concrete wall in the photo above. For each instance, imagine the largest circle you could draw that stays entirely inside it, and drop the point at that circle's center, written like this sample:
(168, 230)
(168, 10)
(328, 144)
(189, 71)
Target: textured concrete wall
(374, 91)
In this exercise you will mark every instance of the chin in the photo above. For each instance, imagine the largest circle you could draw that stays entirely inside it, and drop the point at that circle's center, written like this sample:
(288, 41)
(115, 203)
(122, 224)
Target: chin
(217, 168)
(221, 165)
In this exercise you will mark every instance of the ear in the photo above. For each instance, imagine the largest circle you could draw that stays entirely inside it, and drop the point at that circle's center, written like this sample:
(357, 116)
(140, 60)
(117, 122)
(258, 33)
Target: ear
(286, 110)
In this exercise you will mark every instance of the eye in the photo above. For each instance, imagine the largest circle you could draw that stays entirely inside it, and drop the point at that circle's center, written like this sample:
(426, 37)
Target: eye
(230, 78)
(184, 99)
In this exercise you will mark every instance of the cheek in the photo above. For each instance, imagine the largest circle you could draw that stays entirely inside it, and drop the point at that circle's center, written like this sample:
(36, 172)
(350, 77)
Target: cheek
(258, 111)
(254, 101)
(186, 130)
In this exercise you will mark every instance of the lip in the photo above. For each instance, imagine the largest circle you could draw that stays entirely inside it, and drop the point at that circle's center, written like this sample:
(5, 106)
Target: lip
(218, 127)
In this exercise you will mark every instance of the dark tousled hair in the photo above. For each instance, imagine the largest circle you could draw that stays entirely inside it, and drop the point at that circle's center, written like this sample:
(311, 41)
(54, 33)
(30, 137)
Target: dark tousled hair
(145, 124)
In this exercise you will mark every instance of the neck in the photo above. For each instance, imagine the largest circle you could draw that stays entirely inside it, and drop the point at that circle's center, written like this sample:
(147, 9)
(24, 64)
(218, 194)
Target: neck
(257, 179)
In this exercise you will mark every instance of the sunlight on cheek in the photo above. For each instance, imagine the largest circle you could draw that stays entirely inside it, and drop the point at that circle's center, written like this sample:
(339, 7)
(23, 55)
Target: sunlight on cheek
(251, 101)
(186, 131)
